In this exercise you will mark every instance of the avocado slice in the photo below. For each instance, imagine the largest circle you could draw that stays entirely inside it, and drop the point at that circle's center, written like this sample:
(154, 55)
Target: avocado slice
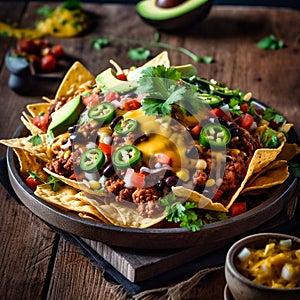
(175, 17)
(66, 116)
(187, 70)
(107, 80)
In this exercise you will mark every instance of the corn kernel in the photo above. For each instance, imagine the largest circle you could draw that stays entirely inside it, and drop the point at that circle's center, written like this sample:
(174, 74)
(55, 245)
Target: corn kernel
(183, 174)
(94, 184)
(210, 182)
(201, 164)
(67, 154)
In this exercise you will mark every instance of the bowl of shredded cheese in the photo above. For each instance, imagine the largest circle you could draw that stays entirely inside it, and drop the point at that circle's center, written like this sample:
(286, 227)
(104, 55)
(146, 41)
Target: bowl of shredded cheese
(264, 265)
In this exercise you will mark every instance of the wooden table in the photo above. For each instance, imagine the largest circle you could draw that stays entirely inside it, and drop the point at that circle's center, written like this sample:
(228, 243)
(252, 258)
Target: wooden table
(35, 261)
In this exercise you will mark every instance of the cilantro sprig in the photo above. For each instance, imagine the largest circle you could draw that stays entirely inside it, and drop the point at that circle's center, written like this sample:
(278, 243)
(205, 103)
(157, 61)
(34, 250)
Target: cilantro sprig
(187, 213)
(270, 43)
(183, 213)
(140, 50)
(52, 181)
(164, 89)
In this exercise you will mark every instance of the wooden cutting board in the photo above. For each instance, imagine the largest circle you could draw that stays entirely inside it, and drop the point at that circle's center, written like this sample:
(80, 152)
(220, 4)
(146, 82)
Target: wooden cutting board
(138, 264)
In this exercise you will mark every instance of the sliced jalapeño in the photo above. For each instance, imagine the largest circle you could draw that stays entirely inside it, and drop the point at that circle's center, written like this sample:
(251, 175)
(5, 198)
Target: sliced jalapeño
(126, 156)
(92, 160)
(211, 100)
(215, 135)
(102, 112)
(126, 126)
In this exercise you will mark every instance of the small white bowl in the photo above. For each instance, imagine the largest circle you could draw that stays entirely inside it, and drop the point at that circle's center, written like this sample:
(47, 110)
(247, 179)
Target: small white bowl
(243, 288)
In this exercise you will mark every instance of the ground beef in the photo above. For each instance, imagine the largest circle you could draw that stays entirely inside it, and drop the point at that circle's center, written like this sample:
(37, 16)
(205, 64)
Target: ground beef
(114, 185)
(125, 194)
(199, 178)
(61, 166)
(144, 195)
(149, 209)
(89, 130)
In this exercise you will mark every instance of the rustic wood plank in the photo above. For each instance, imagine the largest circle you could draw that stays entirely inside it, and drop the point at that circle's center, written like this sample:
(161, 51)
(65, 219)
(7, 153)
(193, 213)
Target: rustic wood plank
(25, 251)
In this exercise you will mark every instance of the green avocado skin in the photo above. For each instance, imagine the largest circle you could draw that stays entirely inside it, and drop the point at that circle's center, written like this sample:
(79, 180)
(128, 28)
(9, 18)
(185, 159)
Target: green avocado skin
(170, 19)
(66, 116)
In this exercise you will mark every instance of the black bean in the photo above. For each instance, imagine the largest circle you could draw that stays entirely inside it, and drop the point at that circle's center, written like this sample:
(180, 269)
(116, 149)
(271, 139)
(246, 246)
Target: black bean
(192, 152)
(171, 181)
(109, 171)
(115, 121)
(76, 137)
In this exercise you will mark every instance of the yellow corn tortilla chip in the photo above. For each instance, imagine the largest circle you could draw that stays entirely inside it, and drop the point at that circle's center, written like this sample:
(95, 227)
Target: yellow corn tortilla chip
(24, 143)
(125, 214)
(28, 162)
(273, 174)
(160, 59)
(34, 130)
(289, 151)
(66, 198)
(38, 108)
(76, 76)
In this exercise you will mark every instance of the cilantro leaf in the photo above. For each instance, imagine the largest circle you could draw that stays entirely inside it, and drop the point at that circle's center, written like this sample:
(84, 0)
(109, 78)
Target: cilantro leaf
(53, 182)
(72, 4)
(99, 43)
(45, 11)
(139, 53)
(270, 43)
(36, 140)
(272, 114)
(183, 213)
(294, 168)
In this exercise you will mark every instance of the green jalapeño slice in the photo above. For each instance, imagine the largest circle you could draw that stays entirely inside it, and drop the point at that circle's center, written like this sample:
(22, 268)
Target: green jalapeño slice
(215, 135)
(126, 126)
(126, 156)
(102, 112)
(92, 160)
(211, 100)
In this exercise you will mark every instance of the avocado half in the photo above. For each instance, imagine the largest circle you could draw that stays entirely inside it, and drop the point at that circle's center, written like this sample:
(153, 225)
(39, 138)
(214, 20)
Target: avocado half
(176, 17)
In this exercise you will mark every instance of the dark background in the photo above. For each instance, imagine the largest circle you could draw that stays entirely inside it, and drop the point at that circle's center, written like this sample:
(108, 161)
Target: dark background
(283, 3)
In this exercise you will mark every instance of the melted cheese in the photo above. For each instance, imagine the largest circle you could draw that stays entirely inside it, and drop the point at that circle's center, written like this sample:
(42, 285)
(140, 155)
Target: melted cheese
(60, 23)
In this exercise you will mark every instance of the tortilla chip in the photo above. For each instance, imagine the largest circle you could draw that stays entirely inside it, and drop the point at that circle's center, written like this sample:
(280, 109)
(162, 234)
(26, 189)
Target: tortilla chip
(27, 162)
(160, 59)
(40, 151)
(273, 174)
(74, 78)
(66, 198)
(125, 214)
(289, 151)
(38, 108)
(34, 130)
(200, 200)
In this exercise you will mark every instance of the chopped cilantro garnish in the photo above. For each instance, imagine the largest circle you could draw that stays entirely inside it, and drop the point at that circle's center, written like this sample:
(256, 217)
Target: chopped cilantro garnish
(183, 213)
(52, 181)
(72, 4)
(36, 140)
(45, 11)
(99, 43)
(163, 89)
(272, 114)
(139, 53)
(294, 168)
(270, 43)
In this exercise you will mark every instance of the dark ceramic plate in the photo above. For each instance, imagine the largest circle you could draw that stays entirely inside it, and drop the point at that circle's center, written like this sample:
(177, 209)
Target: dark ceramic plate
(276, 201)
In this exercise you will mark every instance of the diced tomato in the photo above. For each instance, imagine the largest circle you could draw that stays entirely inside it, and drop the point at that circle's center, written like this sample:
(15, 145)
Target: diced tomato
(57, 51)
(32, 183)
(122, 76)
(105, 148)
(244, 107)
(217, 196)
(111, 96)
(48, 63)
(238, 208)
(245, 121)
(163, 159)
(41, 122)
(73, 176)
(131, 104)
(195, 131)
(134, 179)
(91, 100)
(219, 113)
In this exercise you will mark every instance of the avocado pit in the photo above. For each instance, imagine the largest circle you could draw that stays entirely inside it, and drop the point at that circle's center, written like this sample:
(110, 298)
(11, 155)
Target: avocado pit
(170, 15)
(168, 3)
